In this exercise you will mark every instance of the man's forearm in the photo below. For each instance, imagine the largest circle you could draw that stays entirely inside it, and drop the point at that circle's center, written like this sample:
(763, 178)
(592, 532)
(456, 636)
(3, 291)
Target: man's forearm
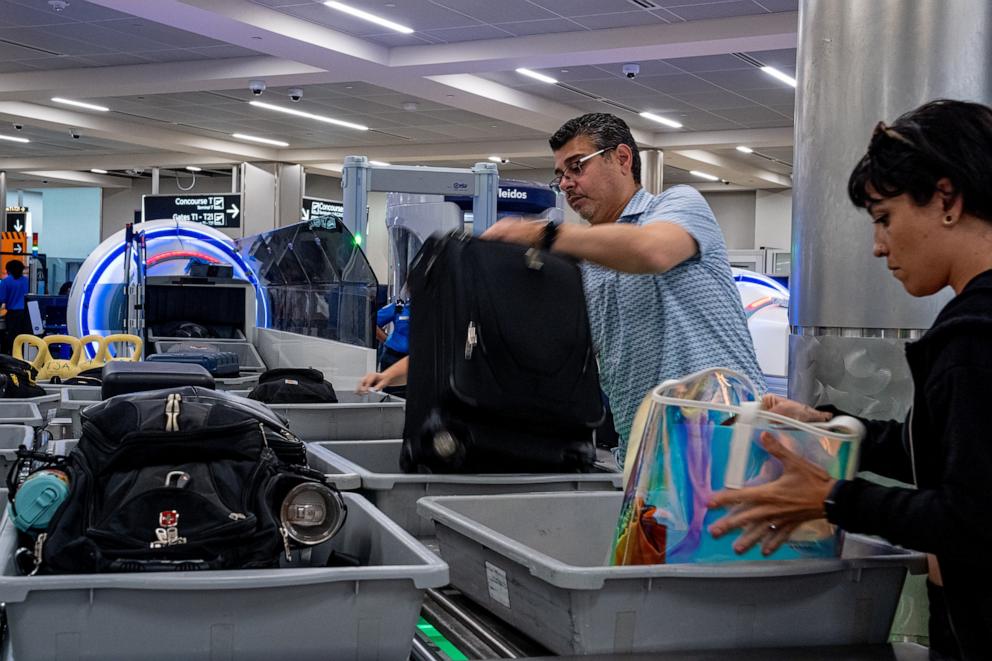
(628, 248)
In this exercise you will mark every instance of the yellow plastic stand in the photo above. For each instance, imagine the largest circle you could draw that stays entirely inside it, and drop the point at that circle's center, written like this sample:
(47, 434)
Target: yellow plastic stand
(137, 346)
(98, 359)
(61, 367)
(21, 342)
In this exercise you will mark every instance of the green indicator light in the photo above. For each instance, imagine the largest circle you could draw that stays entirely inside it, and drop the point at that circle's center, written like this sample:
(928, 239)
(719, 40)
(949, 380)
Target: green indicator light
(443, 643)
(358, 239)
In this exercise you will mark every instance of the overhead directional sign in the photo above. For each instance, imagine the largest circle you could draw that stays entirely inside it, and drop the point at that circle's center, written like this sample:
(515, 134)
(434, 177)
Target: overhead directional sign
(215, 210)
(17, 219)
(320, 213)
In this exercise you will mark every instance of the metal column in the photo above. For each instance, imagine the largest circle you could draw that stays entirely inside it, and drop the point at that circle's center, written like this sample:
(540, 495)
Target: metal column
(860, 62)
(3, 200)
(652, 170)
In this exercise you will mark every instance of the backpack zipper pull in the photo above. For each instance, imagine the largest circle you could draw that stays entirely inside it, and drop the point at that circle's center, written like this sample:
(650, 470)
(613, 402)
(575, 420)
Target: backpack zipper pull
(285, 544)
(471, 340)
(39, 545)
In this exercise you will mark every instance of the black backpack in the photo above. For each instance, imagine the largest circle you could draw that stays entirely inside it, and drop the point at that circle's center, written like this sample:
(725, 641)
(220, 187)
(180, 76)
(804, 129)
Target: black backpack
(175, 479)
(289, 385)
(17, 378)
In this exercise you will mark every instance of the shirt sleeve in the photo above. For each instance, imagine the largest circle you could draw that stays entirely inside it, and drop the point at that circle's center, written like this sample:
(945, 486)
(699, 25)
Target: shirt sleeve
(685, 206)
(385, 315)
(952, 517)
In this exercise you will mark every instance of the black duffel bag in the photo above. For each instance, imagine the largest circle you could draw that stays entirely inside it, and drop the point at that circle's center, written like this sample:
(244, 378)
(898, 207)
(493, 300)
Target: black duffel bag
(177, 479)
(291, 385)
(17, 378)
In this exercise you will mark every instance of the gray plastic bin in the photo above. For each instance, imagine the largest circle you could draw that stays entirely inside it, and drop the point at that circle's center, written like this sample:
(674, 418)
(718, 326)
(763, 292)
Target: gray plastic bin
(396, 493)
(538, 562)
(248, 358)
(74, 401)
(372, 416)
(238, 337)
(12, 436)
(18, 412)
(244, 382)
(367, 612)
(47, 404)
(343, 479)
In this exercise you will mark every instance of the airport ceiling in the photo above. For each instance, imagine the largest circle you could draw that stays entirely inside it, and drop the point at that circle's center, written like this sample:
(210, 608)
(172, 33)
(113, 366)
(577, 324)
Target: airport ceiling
(175, 75)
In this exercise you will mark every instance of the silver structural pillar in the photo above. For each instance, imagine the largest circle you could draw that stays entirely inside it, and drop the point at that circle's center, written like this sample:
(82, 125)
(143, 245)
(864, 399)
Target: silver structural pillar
(234, 178)
(860, 62)
(155, 174)
(652, 170)
(3, 200)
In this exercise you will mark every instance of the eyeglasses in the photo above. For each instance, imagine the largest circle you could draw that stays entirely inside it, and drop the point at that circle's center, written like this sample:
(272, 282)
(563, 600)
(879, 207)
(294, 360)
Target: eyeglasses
(573, 170)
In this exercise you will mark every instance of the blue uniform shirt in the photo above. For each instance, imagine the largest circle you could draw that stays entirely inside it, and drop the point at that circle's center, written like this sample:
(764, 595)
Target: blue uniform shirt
(648, 328)
(12, 292)
(399, 338)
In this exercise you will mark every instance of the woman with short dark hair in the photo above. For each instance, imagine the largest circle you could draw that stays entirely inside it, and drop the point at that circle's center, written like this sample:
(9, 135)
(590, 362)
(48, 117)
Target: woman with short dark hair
(926, 182)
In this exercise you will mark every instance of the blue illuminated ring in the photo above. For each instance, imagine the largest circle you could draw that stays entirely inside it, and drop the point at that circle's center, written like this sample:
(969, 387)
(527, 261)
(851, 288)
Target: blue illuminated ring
(170, 231)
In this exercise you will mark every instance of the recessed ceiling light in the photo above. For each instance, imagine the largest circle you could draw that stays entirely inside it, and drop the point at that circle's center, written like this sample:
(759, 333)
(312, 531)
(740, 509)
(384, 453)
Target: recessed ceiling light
(98, 171)
(775, 73)
(746, 150)
(537, 76)
(193, 168)
(379, 163)
(80, 104)
(371, 18)
(308, 115)
(661, 120)
(495, 159)
(13, 138)
(264, 141)
(703, 175)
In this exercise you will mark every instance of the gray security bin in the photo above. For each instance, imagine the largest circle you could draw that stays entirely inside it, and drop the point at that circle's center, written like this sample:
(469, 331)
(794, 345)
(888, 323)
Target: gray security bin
(367, 612)
(16, 412)
(342, 478)
(248, 358)
(74, 400)
(372, 416)
(244, 382)
(538, 562)
(47, 404)
(11, 437)
(396, 493)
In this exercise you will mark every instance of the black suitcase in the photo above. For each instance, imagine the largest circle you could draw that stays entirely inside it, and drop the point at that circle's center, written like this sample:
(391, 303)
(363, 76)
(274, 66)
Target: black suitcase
(503, 376)
(220, 364)
(126, 377)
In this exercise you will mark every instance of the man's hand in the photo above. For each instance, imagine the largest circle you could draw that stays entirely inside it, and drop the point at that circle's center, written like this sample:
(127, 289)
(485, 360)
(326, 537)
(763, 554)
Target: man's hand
(371, 381)
(515, 230)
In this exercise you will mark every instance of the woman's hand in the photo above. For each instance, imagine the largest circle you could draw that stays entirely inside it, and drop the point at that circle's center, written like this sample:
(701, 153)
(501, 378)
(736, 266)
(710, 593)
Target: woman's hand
(770, 512)
(793, 409)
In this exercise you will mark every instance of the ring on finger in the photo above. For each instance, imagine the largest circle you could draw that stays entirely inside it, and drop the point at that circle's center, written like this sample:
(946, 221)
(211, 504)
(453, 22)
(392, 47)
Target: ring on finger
(772, 526)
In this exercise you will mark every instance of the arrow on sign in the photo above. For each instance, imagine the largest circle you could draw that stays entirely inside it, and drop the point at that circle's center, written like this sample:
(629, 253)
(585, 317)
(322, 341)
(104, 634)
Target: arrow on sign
(18, 248)
(306, 214)
(234, 211)
(18, 227)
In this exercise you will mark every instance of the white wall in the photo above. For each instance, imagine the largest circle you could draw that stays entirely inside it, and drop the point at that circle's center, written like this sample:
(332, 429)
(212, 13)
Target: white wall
(119, 204)
(735, 212)
(318, 185)
(72, 222)
(773, 219)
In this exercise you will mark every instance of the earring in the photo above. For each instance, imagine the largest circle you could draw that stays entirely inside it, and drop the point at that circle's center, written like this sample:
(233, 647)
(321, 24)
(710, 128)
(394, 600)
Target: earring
(948, 220)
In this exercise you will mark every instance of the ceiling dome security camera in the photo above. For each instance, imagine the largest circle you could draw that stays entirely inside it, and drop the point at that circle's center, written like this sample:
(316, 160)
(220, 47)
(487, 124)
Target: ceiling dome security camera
(631, 70)
(295, 94)
(58, 5)
(257, 87)
(74, 133)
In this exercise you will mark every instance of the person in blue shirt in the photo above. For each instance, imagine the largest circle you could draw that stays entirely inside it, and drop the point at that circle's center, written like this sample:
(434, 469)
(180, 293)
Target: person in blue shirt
(397, 344)
(13, 289)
